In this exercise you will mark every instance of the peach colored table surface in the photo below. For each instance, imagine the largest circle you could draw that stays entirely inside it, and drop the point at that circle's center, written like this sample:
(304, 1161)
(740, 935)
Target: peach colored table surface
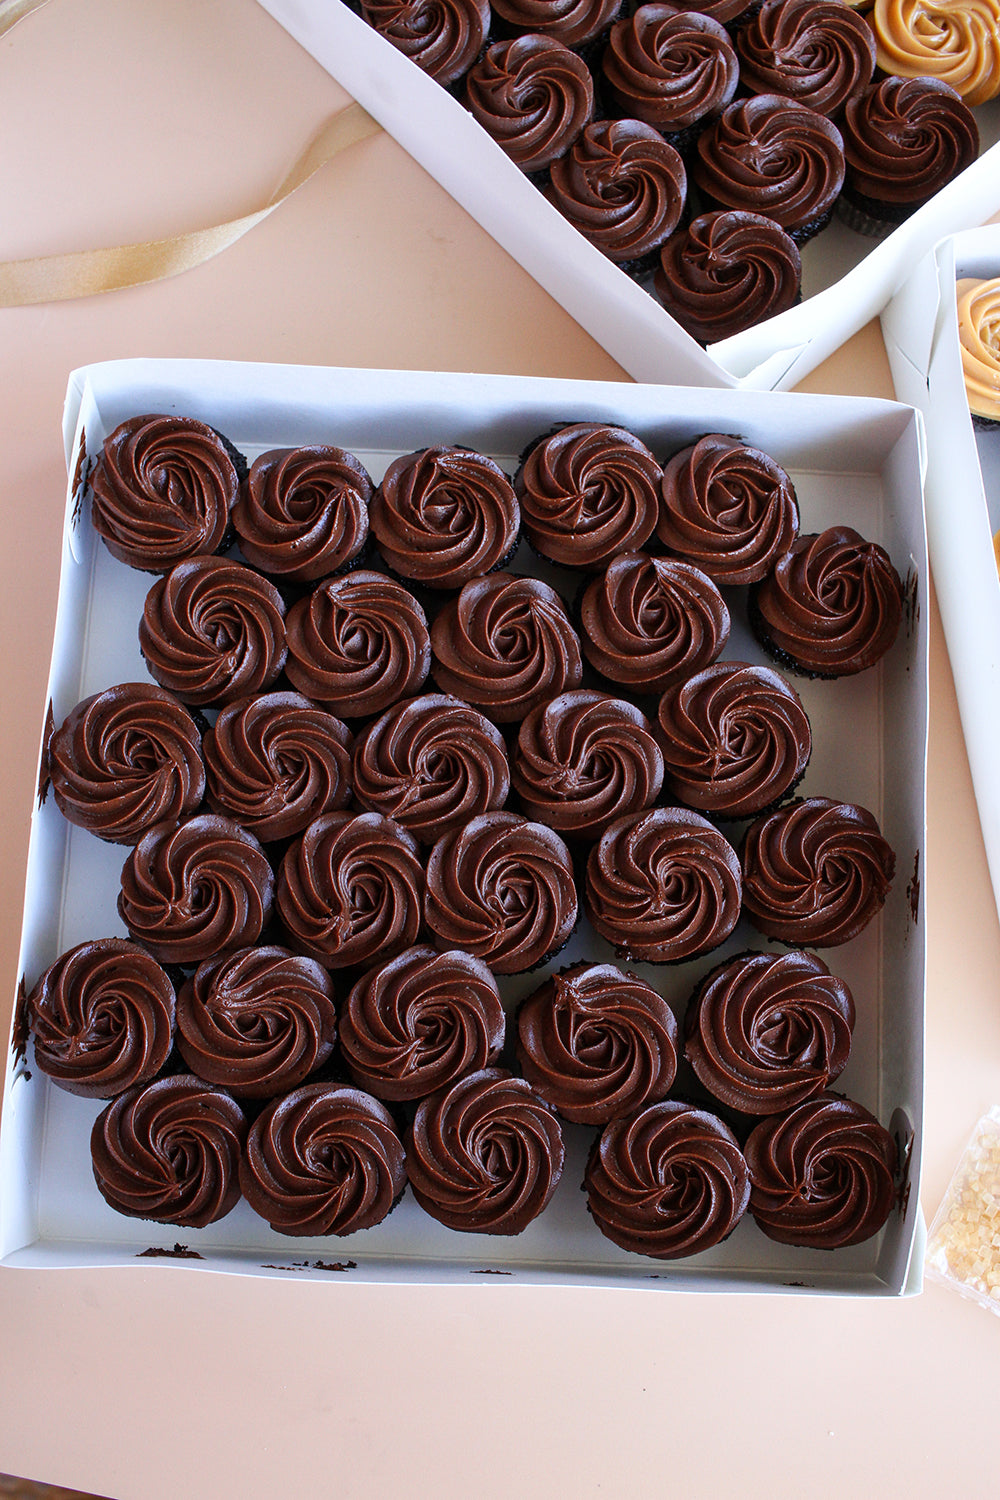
(133, 119)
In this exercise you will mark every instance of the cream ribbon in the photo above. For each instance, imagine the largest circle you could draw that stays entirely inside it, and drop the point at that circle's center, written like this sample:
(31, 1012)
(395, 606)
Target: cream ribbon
(56, 278)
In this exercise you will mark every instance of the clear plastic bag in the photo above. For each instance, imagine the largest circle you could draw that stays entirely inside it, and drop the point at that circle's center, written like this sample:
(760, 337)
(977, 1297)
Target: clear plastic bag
(963, 1243)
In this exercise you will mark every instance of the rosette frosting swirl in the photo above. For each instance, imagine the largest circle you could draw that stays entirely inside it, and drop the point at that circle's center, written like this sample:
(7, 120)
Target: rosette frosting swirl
(765, 1032)
(443, 37)
(957, 41)
(125, 759)
(818, 52)
(162, 491)
(102, 1018)
(668, 1182)
(597, 1042)
(212, 631)
(485, 1155)
(670, 67)
(904, 139)
(501, 888)
(431, 763)
(571, 22)
(303, 512)
(816, 872)
(413, 1025)
(823, 1175)
(623, 187)
(170, 1151)
(324, 1159)
(979, 337)
(726, 272)
(275, 762)
(256, 1022)
(663, 885)
(533, 96)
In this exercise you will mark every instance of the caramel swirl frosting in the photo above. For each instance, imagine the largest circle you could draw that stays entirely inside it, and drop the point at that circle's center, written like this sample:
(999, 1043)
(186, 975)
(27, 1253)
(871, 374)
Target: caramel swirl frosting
(443, 37)
(818, 52)
(623, 187)
(957, 41)
(533, 96)
(304, 512)
(726, 272)
(979, 336)
(670, 67)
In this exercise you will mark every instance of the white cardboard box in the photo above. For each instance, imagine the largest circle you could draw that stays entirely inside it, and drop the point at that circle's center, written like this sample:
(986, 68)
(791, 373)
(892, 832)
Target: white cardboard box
(857, 461)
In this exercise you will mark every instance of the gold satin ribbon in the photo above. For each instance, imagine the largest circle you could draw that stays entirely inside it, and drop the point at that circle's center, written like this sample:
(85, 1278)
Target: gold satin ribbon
(82, 273)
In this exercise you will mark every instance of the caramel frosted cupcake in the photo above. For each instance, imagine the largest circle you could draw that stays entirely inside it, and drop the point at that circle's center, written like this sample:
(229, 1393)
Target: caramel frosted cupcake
(413, 1025)
(162, 491)
(212, 631)
(303, 512)
(443, 39)
(572, 22)
(957, 41)
(124, 760)
(765, 1032)
(669, 67)
(815, 872)
(727, 508)
(649, 621)
(324, 1159)
(587, 492)
(533, 96)
(444, 515)
(102, 1018)
(485, 1155)
(597, 1042)
(256, 1022)
(502, 889)
(504, 645)
(584, 759)
(817, 52)
(431, 763)
(726, 272)
(668, 1182)
(979, 337)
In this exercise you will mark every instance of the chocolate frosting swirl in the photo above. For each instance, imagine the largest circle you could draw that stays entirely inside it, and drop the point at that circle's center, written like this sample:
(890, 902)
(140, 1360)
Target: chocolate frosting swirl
(588, 492)
(816, 872)
(833, 604)
(726, 272)
(501, 888)
(979, 336)
(256, 1022)
(444, 515)
(533, 96)
(571, 22)
(350, 889)
(304, 512)
(358, 644)
(727, 508)
(905, 138)
(162, 491)
(822, 1176)
(818, 52)
(443, 37)
(736, 738)
(212, 631)
(584, 759)
(764, 1033)
(275, 762)
(169, 1151)
(324, 1159)
(670, 67)
(957, 41)
(597, 1042)
(669, 1181)
(623, 187)
(192, 891)
(650, 621)
(413, 1025)
(485, 1155)
(125, 759)
(504, 645)
(102, 1018)
(431, 763)
(663, 886)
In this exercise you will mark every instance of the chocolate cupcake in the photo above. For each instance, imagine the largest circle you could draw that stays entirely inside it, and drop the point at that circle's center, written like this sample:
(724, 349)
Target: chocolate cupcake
(413, 1025)
(817, 52)
(735, 738)
(102, 1018)
(324, 1159)
(533, 96)
(303, 512)
(765, 1032)
(663, 886)
(431, 763)
(485, 1155)
(169, 1151)
(957, 41)
(597, 1042)
(257, 1021)
(669, 1181)
(212, 631)
(727, 508)
(124, 760)
(584, 759)
(727, 272)
(978, 312)
(822, 1176)
(162, 491)
(588, 492)
(572, 22)
(443, 39)
(502, 889)
(815, 872)
(444, 515)
(670, 68)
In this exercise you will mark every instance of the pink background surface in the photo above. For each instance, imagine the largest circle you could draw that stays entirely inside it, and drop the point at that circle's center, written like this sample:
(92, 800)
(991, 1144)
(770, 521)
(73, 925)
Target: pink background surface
(131, 119)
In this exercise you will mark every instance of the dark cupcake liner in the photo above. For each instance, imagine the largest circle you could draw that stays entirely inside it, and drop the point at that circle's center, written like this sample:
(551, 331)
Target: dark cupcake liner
(984, 424)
